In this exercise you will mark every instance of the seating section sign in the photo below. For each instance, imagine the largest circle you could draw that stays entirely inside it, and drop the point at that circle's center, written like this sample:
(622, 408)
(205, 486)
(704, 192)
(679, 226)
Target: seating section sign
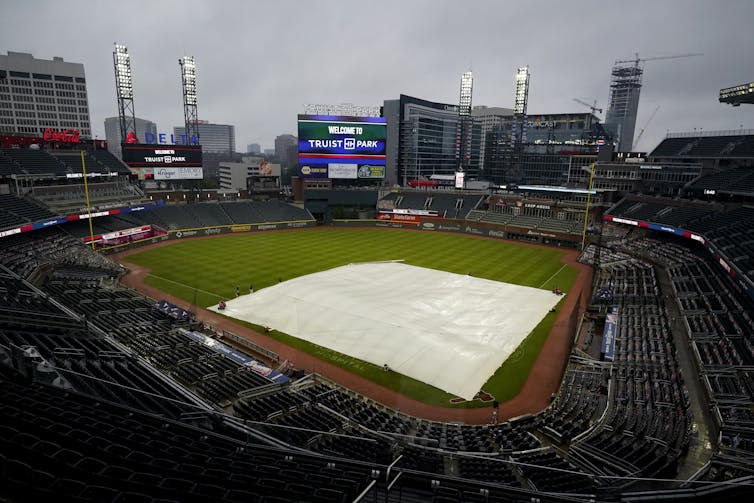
(610, 333)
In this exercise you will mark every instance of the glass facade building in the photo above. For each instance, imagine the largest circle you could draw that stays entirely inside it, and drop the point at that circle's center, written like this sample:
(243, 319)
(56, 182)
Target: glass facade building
(422, 140)
(550, 143)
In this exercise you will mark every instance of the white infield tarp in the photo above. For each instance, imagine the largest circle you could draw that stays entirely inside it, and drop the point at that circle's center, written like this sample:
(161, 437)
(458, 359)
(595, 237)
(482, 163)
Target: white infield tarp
(448, 330)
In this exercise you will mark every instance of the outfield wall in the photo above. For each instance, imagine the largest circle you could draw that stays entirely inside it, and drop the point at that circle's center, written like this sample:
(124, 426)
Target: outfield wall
(430, 224)
(468, 227)
(212, 231)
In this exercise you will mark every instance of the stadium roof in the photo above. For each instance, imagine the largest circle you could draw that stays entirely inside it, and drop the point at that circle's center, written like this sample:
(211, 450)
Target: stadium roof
(710, 145)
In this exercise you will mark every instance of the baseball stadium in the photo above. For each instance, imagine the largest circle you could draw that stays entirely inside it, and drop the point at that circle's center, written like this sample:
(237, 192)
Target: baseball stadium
(576, 327)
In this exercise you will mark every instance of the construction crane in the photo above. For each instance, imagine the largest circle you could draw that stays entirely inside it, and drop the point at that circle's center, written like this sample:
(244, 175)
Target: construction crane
(638, 137)
(638, 59)
(593, 107)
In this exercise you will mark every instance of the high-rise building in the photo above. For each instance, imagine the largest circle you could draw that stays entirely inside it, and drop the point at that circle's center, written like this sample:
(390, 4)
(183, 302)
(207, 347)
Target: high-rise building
(421, 139)
(282, 144)
(488, 118)
(253, 148)
(40, 94)
(214, 138)
(620, 119)
(235, 175)
(112, 133)
(286, 152)
(552, 146)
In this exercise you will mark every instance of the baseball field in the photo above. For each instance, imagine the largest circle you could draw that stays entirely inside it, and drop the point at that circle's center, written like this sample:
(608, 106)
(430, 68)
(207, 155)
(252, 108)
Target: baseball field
(205, 271)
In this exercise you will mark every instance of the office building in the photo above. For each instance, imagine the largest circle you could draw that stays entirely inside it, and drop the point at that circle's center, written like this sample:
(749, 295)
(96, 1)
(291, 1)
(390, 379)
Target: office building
(113, 136)
(487, 119)
(286, 150)
(214, 138)
(40, 94)
(253, 148)
(422, 139)
(552, 144)
(235, 175)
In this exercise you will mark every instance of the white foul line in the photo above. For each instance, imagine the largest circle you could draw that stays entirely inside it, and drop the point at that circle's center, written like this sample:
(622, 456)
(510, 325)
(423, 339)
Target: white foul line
(187, 286)
(556, 273)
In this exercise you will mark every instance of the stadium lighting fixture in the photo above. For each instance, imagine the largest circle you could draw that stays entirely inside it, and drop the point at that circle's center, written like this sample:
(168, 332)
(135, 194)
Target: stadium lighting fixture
(463, 131)
(188, 81)
(467, 84)
(522, 91)
(123, 80)
(736, 95)
(124, 91)
(188, 73)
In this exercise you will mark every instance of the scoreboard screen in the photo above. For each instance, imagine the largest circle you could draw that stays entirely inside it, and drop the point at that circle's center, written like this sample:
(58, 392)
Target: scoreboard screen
(341, 147)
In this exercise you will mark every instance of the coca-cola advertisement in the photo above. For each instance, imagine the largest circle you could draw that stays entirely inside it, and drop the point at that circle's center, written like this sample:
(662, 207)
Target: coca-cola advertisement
(63, 136)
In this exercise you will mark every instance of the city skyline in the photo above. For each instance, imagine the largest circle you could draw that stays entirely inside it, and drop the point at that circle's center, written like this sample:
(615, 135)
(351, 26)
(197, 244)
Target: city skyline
(259, 83)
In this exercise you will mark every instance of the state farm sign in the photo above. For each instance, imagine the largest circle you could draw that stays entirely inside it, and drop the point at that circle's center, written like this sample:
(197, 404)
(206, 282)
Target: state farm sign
(65, 136)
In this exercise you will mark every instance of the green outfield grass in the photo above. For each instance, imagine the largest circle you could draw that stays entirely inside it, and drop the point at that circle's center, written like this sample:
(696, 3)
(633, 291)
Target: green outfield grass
(204, 271)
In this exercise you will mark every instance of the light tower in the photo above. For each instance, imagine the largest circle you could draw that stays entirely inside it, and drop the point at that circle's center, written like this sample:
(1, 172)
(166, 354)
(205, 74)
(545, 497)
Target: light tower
(522, 91)
(125, 91)
(190, 114)
(463, 136)
(518, 127)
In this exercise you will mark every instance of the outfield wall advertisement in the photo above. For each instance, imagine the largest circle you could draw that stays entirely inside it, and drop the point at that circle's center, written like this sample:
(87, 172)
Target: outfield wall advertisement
(339, 147)
(225, 229)
(410, 220)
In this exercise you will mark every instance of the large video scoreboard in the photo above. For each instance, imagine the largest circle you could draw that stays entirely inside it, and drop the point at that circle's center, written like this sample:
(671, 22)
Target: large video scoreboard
(341, 147)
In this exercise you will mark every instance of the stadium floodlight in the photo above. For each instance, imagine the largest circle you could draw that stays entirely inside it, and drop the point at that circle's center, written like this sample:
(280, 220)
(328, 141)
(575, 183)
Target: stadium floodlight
(188, 81)
(738, 94)
(467, 84)
(463, 130)
(124, 91)
(123, 79)
(522, 91)
(188, 74)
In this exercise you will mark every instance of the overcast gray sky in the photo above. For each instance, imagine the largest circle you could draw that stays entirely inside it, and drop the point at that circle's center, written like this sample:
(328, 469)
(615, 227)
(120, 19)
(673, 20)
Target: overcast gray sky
(258, 63)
